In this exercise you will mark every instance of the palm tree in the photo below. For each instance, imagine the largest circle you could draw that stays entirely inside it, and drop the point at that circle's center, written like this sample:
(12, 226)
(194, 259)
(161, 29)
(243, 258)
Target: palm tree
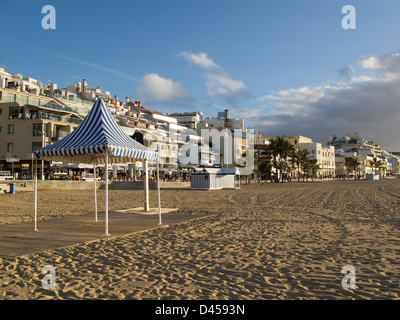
(355, 164)
(280, 148)
(295, 161)
(306, 168)
(274, 147)
(287, 149)
(263, 165)
(281, 166)
(377, 164)
(289, 169)
(304, 163)
(314, 166)
(257, 162)
(298, 158)
(266, 168)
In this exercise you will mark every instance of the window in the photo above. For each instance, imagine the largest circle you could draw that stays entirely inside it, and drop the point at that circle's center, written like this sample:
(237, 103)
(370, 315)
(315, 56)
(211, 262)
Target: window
(36, 145)
(10, 147)
(13, 112)
(16, 113)
(37, 129)
(10, 129)
(1, 95)
(23, 99)
(11, 97)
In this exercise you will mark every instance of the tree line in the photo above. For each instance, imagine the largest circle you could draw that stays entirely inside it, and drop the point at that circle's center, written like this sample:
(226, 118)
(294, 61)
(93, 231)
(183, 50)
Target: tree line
(374, 163)
(284, 161)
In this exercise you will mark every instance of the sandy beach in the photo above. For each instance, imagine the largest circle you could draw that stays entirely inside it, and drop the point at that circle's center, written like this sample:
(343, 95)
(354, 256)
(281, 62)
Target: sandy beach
(270, 241)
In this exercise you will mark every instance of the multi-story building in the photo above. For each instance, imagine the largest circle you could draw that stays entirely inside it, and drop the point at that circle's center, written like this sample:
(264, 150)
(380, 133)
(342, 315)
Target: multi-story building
(34, 115)
(347, 142)
(17, 81)
(189, 120)
(152, 129)
(28, 122)
(353, 146)
(340, 165)
(219, 152)
(394, 160)
(223, 121)
(324, 155)
(355, 142)
(298, 139)
(82, 91)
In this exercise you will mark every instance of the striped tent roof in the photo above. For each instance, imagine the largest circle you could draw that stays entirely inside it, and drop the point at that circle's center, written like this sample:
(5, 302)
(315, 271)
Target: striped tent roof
(89, 141)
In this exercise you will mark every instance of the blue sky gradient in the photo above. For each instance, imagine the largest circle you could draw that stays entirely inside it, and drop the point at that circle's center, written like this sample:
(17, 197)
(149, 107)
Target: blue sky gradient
(255, 50)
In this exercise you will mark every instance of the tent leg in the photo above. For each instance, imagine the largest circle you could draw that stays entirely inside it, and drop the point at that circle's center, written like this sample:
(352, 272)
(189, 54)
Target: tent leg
(146, 186)
(35, 196)
(95, 192)
(106, 179)
(158, 188)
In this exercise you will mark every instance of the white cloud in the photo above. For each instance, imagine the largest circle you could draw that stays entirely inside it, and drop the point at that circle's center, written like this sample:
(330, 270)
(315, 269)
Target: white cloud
(219, 82)
(389, 63)
(156, 88)
(371, 63)
(366, 103)
(201, 59)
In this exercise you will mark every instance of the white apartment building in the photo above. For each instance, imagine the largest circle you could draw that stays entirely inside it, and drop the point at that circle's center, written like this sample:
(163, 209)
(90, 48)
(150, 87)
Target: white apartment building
(324, 155)
(189, 120)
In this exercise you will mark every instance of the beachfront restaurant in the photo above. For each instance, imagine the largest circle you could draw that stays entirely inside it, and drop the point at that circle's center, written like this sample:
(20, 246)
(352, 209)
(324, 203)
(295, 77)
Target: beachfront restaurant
(213, 178)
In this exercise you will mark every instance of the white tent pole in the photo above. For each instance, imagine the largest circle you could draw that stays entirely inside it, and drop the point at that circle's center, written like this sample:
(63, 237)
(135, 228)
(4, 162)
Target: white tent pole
(146, 186)
(95, 191)
(106, 179)
(158, 187)
(43, 145)
(35, 189)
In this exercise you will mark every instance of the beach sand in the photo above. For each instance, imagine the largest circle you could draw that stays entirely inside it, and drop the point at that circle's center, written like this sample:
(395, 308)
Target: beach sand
(270, 241)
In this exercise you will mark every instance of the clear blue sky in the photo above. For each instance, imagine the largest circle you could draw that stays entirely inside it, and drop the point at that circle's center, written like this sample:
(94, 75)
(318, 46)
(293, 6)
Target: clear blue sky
(147, 49)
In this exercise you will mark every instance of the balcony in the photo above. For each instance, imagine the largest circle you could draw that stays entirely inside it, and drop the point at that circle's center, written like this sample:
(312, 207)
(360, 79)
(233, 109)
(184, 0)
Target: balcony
(59, 135)
(72, 120)
(57, 107)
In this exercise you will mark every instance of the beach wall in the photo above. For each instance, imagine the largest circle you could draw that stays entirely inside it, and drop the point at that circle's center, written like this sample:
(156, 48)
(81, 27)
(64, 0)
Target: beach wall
(170, 185)
(27, 185)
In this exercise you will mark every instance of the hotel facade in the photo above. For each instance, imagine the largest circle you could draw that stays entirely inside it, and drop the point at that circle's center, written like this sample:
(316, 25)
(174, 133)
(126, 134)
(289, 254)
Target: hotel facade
(28, 122)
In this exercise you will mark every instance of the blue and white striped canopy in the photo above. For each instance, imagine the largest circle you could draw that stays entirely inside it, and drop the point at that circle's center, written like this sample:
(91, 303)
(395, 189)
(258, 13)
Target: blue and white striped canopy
(89, 141)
